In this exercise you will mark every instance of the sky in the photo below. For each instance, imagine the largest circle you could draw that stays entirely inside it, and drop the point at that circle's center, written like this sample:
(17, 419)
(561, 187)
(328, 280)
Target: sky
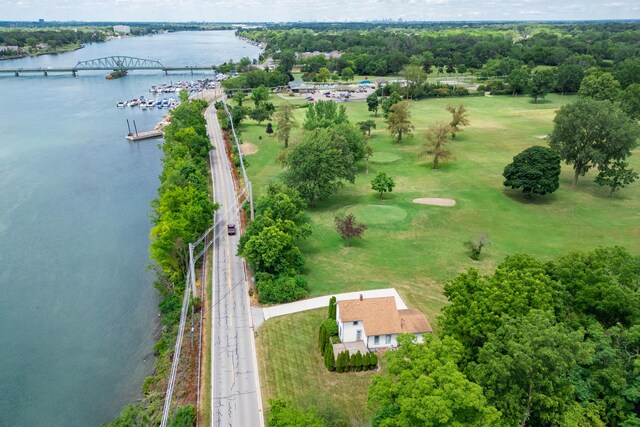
(316, 10)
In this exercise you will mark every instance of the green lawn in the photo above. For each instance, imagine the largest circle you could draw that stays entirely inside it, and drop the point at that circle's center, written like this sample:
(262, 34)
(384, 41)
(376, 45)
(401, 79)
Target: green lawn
(416, 248)
(291, 367)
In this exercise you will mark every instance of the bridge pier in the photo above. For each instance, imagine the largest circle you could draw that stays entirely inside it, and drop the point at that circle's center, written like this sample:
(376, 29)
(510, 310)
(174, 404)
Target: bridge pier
(45, 73)
(16, 74)
(75, 73)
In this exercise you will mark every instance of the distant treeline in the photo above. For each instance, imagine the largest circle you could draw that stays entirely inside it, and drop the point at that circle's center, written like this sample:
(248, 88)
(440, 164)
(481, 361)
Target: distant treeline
(34, 38)
(374, 49)
(24, 38)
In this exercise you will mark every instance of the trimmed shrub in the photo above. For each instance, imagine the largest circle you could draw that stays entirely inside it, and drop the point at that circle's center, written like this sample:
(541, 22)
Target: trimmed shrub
(374, 361)
(352, 362)
(358, 363)
(332, 308)
(329, 360)
(282, 289)
(331, 327)
(322, 338)
(343, 362)
(366, 361)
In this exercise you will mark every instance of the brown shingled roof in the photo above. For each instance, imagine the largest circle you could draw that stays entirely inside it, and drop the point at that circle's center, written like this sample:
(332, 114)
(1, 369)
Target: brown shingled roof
(412, 321)
(381, 316)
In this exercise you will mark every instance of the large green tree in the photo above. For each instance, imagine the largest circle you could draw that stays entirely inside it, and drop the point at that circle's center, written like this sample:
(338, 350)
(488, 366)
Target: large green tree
(373, 103)
(591, 133)
(319, 165)
(285, 122)
(478, 303)
(323, 114)
(259, 95)
(568, 78)
(424, 387)
(541, 83)
(525, 369)
(518, 80)
(600, 86)
(536, 171)
(437, 141)
(389, 102)
(630, 101)
(414, 75)
(628, 71)
(399, 120)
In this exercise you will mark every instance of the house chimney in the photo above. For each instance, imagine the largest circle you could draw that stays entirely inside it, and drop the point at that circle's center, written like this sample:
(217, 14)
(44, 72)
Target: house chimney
(361, 297)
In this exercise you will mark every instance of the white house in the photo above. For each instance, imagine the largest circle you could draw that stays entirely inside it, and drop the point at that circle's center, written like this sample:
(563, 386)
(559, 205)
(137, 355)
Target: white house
(124, 29)
(377, 322)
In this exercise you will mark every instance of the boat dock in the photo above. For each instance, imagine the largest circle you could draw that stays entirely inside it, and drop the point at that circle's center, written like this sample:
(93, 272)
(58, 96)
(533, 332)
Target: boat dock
(144, 135)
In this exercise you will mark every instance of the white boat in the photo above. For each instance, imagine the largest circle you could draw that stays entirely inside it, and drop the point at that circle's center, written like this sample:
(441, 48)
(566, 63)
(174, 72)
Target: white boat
(143, 105)
(121, 104)
(151, 103)
(165, 103)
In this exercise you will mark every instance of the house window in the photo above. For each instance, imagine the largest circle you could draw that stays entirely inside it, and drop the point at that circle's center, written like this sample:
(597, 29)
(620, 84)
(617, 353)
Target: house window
(355, 323)
(376, 340)
(387, 339)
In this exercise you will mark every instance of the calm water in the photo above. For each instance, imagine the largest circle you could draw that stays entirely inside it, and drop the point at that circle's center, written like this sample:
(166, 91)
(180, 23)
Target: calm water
(78, 312)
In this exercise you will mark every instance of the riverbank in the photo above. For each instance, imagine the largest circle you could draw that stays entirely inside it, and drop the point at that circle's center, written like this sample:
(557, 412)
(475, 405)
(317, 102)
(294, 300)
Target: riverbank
(80, 349)
(55, 51)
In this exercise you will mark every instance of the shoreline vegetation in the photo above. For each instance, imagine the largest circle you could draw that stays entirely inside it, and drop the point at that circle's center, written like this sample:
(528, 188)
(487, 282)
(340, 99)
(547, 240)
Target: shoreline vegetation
(28, 39)
(180, 214)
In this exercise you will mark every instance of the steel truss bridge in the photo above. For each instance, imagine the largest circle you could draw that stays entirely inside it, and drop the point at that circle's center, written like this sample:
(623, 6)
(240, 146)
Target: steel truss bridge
(109, 63)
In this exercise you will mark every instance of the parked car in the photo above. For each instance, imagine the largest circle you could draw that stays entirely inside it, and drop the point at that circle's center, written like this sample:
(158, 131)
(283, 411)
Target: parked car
(231, 229)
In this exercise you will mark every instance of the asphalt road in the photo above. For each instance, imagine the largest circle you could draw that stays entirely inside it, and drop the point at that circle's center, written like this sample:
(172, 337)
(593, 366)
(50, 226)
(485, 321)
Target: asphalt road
(235, 390)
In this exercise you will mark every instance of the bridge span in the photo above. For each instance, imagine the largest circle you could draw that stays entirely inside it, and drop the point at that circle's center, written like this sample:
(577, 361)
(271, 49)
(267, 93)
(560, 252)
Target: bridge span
(109, 63)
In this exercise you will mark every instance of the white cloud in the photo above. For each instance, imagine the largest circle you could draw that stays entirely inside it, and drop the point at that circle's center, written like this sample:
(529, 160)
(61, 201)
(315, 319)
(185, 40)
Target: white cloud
(298, 10)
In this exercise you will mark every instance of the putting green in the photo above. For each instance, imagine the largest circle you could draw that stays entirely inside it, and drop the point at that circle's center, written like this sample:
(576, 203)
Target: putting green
(376, 214)
(384, 157)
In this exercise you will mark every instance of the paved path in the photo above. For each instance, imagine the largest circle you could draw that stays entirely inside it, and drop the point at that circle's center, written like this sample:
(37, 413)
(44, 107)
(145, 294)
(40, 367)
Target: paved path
(261, 314)
(235, 394)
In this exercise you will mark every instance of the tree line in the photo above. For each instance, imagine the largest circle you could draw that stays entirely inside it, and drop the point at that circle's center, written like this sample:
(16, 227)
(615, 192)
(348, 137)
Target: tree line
(533, 344)
(386, 50)
(182, 211)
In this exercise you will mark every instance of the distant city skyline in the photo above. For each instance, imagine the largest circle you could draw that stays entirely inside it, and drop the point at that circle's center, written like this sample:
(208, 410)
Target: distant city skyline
(328, 10)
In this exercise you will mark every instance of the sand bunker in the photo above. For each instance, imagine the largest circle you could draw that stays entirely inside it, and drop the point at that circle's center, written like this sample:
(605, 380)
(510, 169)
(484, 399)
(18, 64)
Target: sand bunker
(248, 148)
(542, 136)
(435, 201)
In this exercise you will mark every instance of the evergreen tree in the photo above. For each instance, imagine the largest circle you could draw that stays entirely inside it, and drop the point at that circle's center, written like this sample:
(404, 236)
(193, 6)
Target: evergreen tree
(340, 362)
(329, 360)
(366, 361)
(322, 339)
(374, 361)
(345, 361)
(358, 364)
(352, 362)
(332, 308)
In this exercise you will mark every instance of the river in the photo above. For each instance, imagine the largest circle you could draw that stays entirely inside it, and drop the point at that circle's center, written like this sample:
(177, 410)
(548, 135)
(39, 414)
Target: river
(78, 311)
